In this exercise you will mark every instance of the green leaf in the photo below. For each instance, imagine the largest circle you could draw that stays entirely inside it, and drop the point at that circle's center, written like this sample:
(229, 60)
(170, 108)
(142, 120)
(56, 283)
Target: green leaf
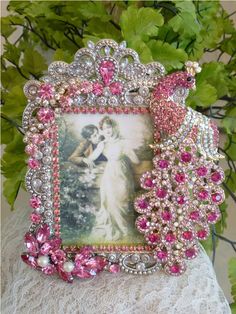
(142, 49)
(215, 74)
(14, 102)
(10, 190)
(232, 276)
(93, 9)
(101, 29)
(229, 122)
(140, 23)
(6, 28)
(230, 146)
(168, 55)
(11, 77)
(34, 62)
(204, 96)
(63, 55)
(230, 180)
(12, 53)
(7, 132)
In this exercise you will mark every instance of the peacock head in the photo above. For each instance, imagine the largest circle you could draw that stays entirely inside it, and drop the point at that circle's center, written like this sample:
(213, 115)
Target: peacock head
(177, 85)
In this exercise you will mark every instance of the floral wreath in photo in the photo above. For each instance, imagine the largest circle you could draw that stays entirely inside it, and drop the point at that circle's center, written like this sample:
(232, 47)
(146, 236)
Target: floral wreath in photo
(182, 191)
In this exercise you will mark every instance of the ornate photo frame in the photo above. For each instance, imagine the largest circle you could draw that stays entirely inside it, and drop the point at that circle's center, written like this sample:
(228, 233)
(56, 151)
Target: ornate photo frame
(105, 81)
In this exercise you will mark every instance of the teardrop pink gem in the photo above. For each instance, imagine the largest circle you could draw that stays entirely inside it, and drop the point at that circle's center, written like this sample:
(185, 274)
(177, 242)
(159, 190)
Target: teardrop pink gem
(43, 233)
(107, 69)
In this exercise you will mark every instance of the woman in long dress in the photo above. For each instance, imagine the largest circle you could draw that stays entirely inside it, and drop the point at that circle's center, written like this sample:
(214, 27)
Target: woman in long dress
(115, 216)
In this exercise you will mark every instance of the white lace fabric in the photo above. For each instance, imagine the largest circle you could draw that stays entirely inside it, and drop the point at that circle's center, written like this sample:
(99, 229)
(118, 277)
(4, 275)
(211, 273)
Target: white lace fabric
(25, 290)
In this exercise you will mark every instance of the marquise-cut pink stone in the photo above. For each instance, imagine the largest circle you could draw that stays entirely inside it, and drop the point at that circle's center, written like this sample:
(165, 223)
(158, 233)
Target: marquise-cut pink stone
(55, 243)
(96, 264)
(31, 243)
(107, 69)
(65, 275)
(82, 272)
(43, 233)
(29, 260)
(97, 89)
(116, 88)
(201, 171)
(186, 157)
(45, 115)
(161, 193)
(45, 248)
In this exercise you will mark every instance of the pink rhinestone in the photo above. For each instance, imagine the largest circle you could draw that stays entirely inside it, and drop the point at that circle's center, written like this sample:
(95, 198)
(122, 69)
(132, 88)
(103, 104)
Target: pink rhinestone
(187, 235)
(162, 255)
(49, 270)
(36, 218)
(166, 215)
(180, 177)
(31, 243)
(153, 237)
(33, 163)
(202, 234)
(161, 193)
(212, 217)
(202, 195)
(31, 149)
(45, 115)
(114, 268)
(35, 202)
(86, 87)
(148, 183)
(97, 89)
(170, 237)
(29, 260)
(143, 204)
(194, 215)
(143, 224)
(201, 171)
(115, 88)
(190, 253)
(216, 197)
(36, 139)
(175, 269)
(163, 164)
(107, 69)
(216, 177)
(186, 157)
(46, 91)
(181, 200)
(43, 233)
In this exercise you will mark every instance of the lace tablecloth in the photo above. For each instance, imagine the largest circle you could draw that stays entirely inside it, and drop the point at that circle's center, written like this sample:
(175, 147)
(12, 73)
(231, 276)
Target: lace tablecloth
(25, 290)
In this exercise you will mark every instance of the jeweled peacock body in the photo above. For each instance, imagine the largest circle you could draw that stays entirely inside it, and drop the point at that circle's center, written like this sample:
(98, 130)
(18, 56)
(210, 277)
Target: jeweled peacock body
(182, 191)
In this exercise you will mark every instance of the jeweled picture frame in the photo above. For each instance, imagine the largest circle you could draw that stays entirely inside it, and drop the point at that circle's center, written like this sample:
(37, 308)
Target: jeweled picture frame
(91, 133)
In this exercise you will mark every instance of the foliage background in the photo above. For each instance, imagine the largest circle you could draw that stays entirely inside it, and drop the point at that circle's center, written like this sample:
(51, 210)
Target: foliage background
(168, 31)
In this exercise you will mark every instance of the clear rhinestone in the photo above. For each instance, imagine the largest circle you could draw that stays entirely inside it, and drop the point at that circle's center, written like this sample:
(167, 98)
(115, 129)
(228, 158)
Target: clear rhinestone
(36, 184)
(122, 45)
(107, 50)
(90, 45)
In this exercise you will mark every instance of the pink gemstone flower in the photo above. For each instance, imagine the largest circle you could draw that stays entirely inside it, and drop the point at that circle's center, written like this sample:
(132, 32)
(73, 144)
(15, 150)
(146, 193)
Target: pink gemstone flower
(46, 91)
(45, 115)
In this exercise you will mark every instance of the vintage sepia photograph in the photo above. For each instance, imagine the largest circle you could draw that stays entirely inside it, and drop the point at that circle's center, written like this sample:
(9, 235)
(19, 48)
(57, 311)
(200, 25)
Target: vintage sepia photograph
(101, 159)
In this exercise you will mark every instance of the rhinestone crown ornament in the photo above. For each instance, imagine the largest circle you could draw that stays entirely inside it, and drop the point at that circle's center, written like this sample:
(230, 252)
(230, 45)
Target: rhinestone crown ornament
(182, 191)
